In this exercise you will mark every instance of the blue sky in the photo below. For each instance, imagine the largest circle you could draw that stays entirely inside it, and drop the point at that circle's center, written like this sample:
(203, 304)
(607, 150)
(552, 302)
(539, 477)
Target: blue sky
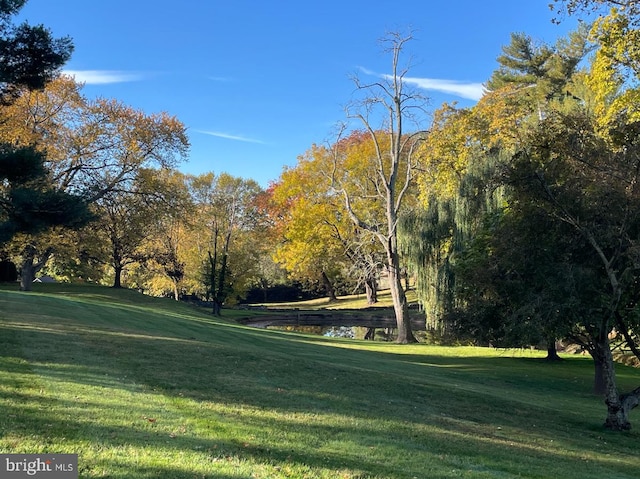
(257, 82)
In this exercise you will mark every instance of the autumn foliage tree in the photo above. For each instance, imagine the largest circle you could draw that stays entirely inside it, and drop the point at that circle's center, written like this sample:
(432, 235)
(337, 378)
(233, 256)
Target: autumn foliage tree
(313, 226)
(227, 212)
(95, 149)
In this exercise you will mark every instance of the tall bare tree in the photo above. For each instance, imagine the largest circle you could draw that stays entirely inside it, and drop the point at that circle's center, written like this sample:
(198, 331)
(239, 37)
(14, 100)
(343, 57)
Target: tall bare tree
(383, 109)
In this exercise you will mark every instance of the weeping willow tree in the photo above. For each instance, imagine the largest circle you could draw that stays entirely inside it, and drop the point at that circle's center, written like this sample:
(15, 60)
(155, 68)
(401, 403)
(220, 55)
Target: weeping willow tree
(433, 237)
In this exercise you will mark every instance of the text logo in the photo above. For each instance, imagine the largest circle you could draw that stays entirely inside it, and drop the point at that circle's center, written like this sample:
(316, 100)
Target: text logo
(46, 466)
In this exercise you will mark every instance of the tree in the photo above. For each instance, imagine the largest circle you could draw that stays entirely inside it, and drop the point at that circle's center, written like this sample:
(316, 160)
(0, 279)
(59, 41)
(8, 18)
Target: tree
(515, 287)
(462, 156)
(538, 76)
(142, 233)
(30, 56)
(443, 218)
(570, 158)
(95, 148)
(226, 208)
(168, 195)
(318, 241)
(575, 7)
(393, 161)
(31, 202)
(271, 281)
(123, 222)
(575, 178)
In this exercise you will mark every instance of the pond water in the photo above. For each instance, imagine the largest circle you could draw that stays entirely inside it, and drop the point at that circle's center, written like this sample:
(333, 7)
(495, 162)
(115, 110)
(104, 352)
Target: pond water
(349, 332)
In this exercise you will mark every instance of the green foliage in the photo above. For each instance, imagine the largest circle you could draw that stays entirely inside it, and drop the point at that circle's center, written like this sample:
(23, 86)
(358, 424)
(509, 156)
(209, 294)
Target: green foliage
(30, 55)
(469, 151)
(521, 62)
(28, 201)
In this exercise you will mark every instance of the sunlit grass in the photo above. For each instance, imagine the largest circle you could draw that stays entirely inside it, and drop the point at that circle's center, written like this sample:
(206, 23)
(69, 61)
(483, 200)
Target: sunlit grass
(148, 388)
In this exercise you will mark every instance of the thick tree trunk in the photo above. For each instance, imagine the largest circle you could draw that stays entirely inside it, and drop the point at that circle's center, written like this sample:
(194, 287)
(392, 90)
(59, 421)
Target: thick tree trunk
(617, 416)
(371, 287)
(117, 279)
(599, 387)
(618, 406)
(400, 304)
(30, 267)
(217, 308)
(329, 289)
(27, 274)
(552, 352)
(630, 401)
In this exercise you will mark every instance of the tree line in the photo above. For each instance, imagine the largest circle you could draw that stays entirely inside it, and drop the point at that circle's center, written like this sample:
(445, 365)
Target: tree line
(518, 218)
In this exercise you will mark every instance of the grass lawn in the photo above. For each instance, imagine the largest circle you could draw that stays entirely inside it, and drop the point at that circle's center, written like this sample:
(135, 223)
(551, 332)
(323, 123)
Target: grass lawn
(148, 388)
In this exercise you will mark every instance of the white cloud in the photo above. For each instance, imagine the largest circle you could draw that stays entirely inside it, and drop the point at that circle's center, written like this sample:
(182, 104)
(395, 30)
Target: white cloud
(471, 91)
(102, 77)
(227, 136)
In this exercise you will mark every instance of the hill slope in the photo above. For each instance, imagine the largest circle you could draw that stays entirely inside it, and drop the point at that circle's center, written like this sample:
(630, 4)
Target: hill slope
(147, 388)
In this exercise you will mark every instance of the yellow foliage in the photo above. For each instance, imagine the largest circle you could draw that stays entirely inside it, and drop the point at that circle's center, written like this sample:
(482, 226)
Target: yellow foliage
(312, 220)
(444, 154)
(615, 71)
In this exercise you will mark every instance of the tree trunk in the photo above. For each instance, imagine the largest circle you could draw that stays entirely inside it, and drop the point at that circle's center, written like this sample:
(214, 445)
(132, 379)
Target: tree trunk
(630, 401)
(400, 304)
(30, 267)
(176, 293)
(370, 334)
(552, 352)
(117, 279)
(219, 289)
(331, 292)
(405, 277)
(27, 274)
(371, 287)
(388, 332)
(598, 376)
(618, 407)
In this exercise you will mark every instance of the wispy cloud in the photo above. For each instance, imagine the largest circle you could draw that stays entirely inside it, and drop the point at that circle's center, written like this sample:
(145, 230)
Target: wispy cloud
(228, 136)
(469, 90)
(102, 77)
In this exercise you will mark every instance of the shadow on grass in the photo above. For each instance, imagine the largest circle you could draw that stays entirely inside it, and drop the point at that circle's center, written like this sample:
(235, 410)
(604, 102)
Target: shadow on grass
(323, 449)
(317, 395)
